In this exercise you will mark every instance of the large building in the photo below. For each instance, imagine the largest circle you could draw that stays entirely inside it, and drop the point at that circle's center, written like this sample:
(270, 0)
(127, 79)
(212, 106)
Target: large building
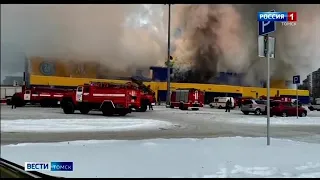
(312, 83)
(315, 84)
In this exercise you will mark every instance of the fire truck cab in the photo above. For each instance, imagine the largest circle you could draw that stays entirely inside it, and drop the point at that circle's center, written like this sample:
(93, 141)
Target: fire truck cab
(146, 95)
(187, 98)
(109, 98)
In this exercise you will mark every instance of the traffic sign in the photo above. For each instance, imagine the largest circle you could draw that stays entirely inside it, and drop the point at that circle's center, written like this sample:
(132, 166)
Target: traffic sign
(296, 79)
(266, 27)
(265, 42)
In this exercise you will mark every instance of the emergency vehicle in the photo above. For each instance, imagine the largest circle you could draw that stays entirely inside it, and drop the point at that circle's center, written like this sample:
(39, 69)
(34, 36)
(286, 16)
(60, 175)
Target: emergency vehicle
(110, 98)
(186, 98)
(146, 95)
(220, 102)
(46, 96)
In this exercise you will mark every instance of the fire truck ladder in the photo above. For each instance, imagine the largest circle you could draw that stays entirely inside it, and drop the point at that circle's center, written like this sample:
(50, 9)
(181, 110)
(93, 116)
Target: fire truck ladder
(143, 87)
(110, 84)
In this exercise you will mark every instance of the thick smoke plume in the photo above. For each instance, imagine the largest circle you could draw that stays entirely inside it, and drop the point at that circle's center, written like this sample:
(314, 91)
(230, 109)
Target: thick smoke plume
(215, 38)
(220, 38)
(88, 33)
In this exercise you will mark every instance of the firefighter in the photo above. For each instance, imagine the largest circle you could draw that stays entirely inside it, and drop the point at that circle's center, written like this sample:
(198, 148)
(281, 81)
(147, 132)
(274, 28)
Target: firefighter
(228, 105)
(150, 106)
(14, 102)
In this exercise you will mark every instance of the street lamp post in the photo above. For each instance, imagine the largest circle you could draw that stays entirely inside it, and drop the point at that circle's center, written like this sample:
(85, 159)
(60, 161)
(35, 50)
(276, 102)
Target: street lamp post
(168, 58)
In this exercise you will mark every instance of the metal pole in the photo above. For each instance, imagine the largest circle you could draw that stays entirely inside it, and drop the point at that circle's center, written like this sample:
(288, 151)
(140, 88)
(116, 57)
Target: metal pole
(168, 60)
(297, 101)
(268, 92)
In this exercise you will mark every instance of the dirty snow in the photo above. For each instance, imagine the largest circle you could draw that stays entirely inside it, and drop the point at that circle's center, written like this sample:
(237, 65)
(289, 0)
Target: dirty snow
(211, 157)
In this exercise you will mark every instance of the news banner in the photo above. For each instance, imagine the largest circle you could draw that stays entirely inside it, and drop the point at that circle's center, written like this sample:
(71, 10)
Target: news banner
(46, 166)
(286, 18)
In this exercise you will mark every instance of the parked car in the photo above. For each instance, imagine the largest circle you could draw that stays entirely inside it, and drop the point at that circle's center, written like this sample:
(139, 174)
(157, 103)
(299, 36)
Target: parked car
(242, 99)
(285, 109)
(253, 106)
(272, 104)
(314, 107)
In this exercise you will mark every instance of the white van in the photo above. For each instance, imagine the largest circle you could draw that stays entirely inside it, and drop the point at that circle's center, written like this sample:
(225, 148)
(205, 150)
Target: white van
(220, 102)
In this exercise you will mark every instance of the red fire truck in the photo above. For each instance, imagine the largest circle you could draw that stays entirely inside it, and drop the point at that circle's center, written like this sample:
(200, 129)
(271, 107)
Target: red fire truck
(146, 95)
(46, 96)
(110, 98)
(187, 98)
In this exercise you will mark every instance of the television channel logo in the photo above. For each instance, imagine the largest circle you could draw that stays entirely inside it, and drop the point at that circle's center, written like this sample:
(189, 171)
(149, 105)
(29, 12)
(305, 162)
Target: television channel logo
(46, 166)
(267, 20)
(37, 166)
(61, 166)
(277, 16)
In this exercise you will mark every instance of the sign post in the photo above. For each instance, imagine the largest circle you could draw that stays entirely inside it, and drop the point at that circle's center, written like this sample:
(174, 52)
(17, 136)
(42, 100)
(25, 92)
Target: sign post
(265, 48)
(296, 81)
(168, 60)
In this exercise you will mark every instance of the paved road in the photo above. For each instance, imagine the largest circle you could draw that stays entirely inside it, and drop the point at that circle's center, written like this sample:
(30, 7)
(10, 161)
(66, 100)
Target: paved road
(190, 124)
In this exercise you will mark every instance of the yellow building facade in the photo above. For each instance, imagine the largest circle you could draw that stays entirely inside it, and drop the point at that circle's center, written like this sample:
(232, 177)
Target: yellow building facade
(40, 66)
(162, 86)
(66, 72)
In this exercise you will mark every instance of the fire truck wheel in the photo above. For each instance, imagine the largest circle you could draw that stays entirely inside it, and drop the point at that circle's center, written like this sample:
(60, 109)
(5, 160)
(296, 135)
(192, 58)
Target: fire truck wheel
(68, 108)
(107, 109)
(143, 107)
(171, 106)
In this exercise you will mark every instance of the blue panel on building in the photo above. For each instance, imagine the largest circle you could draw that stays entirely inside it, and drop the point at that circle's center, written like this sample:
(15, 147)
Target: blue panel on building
(159, 73)
(162, 95)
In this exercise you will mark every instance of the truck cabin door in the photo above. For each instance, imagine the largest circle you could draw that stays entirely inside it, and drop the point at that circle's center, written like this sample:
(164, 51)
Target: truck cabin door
(27, 95)
(79, 94)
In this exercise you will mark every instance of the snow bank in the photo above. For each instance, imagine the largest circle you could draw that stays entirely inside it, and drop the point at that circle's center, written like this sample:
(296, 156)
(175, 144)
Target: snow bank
(80, 125)
(211, 157)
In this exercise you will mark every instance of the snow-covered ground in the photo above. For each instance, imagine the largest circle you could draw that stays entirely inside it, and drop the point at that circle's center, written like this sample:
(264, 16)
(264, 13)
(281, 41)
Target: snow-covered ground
(212, 157)
(236, 116)
(81, 125)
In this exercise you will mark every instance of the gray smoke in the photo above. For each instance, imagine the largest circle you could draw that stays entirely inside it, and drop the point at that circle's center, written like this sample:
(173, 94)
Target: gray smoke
(112, 35)
(214, 38)
(219, 38)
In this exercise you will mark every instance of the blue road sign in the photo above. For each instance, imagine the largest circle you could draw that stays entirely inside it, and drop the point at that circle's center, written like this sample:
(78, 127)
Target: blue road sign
(266, 27)
(296, 79)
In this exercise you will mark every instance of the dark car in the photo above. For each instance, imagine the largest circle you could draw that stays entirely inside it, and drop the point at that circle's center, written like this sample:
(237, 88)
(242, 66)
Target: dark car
(285, 109)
